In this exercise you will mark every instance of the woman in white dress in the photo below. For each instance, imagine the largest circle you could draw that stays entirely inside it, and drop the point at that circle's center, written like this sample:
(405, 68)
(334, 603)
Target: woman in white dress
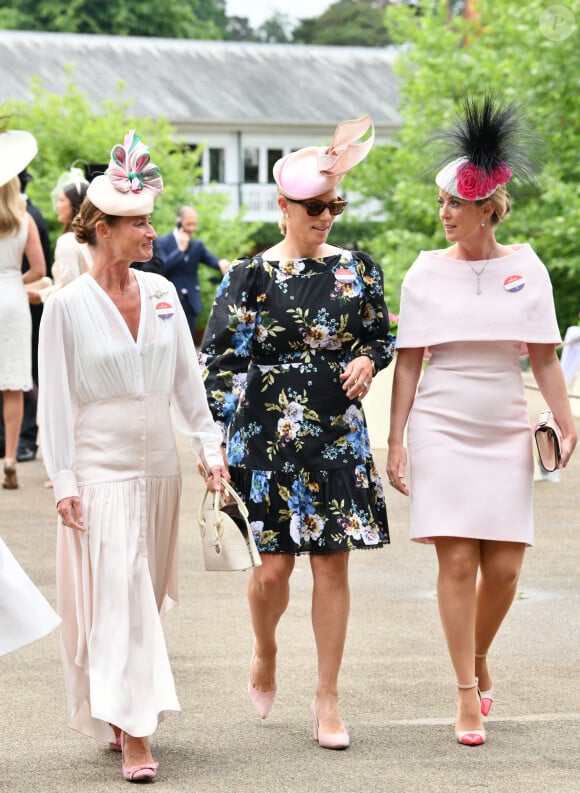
(115, 355)
(25, 615)
(470, 450)
(71, 258)
(18, 236)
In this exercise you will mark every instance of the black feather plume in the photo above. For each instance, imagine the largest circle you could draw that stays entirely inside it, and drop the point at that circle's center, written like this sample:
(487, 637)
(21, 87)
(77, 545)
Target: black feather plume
(489, 136)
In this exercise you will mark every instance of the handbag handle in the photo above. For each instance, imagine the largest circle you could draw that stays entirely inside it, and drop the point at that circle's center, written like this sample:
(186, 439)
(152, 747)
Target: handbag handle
(217, 496)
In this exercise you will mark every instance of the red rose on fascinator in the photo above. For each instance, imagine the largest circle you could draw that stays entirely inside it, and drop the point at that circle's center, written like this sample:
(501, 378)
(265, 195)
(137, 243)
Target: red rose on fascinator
(131, 169)
(473, 182)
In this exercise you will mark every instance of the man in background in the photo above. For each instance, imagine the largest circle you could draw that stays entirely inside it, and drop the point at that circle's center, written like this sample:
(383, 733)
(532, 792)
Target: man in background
(182, 256)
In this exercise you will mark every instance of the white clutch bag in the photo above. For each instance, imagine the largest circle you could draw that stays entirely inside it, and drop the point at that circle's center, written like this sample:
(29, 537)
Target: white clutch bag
(226, 538)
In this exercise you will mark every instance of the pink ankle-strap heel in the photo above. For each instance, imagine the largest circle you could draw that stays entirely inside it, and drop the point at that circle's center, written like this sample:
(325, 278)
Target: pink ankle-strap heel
(470, 737)
(485, 696)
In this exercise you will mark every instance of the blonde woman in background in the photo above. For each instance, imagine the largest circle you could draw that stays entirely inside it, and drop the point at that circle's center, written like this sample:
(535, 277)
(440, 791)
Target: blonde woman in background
(18, 236)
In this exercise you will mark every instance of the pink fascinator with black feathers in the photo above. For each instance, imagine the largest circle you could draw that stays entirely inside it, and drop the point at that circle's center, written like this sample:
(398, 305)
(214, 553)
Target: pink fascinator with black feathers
(486, 146)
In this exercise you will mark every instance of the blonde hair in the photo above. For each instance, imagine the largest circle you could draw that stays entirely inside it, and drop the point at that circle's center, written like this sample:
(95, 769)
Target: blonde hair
(502, 204)
(85, 222)
(12, 208)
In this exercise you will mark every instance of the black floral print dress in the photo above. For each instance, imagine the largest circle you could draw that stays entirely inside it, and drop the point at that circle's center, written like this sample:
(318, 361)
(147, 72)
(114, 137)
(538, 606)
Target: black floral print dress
(279, 336)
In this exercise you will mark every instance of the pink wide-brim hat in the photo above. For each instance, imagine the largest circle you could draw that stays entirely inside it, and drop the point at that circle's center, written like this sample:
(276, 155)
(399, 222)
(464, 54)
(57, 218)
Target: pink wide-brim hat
(314, 170)
(17, 149)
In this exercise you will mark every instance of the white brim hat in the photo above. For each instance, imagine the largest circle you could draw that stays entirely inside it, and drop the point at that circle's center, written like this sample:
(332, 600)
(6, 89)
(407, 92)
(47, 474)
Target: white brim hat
(130, 184)
(314, 170)
(17, 149)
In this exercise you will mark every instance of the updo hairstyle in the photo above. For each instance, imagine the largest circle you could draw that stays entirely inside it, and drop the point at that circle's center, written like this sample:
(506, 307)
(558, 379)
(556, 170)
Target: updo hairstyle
(502, 204)
(85, 222)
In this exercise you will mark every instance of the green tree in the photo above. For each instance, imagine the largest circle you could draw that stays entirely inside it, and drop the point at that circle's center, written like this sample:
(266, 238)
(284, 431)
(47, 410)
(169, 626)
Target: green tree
(239, 29)
(276, 30)
(513, 51)
(201, 19)
(68, 129)
(346, 23)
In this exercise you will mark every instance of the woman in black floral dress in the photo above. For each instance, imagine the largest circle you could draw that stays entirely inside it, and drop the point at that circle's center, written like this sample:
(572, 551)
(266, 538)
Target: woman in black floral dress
(295, 336)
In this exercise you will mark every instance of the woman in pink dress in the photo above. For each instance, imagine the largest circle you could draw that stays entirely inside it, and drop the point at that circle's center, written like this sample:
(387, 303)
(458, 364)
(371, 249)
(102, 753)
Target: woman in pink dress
(473, 304)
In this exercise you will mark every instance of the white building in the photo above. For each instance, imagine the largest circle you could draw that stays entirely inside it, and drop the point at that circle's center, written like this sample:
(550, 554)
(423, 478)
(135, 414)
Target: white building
(247, 104)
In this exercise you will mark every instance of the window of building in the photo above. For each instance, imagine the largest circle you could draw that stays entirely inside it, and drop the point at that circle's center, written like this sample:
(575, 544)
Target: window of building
(273, 156)
(251, 165)
(217, 165)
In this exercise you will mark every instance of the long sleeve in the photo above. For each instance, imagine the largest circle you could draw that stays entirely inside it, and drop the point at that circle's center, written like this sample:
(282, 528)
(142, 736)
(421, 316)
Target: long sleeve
(188, 398)
(226, 348)
(375, 341)
(56, 405)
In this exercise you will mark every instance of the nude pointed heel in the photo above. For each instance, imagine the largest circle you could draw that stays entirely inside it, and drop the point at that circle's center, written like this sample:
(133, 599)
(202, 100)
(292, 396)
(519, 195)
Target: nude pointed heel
(261, 700)
(470, 737)
(485, 696)
(327, 740)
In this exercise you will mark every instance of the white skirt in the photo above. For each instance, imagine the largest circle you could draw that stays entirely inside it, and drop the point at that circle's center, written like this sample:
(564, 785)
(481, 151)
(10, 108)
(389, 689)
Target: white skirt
(117, 579)
(25, 614)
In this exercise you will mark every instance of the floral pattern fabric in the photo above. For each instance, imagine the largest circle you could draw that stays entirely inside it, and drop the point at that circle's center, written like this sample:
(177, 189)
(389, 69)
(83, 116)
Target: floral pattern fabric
(279, 336)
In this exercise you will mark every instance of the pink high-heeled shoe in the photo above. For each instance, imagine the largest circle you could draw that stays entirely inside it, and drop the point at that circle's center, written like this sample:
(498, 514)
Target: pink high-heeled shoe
(137, 773)
(470, 737)
(327, 740)
(261, 700)
(485, 696)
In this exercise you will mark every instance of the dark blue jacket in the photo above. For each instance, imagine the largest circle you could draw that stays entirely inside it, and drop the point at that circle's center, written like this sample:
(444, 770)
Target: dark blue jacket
(181, 268)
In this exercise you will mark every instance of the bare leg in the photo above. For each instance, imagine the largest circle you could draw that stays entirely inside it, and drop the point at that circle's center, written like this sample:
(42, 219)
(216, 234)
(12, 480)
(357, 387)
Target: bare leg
(330, 607)
(268, 595)
(500, 566)
(458, 563)
(13, 411)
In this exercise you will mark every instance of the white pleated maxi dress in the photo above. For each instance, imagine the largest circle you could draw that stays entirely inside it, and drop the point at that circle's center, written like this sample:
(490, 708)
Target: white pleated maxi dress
(106, 431)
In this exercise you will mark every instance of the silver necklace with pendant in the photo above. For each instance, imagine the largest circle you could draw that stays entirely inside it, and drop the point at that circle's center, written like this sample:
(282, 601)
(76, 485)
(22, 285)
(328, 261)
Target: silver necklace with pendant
(479, 273)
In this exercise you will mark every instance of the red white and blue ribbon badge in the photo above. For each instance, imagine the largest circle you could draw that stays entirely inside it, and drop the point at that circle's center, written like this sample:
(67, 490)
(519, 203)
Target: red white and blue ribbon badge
(164, 310)
(345, 276)
(514, 283)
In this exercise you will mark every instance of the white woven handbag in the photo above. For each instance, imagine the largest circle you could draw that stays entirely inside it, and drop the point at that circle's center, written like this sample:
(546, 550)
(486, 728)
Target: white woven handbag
(226, 537)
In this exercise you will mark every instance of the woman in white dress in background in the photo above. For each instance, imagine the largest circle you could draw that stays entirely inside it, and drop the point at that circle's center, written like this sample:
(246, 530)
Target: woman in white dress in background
(18, 236)
(115, 355)
(71, 258)
(470, 448)
(25, 615)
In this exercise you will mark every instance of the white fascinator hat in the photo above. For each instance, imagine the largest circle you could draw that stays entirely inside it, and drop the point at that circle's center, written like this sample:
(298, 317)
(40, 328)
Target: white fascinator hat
(131, 182)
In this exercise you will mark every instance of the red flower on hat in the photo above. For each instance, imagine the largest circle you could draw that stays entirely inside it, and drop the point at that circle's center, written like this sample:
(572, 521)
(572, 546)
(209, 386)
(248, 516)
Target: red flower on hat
(473, 182)
(501, 174)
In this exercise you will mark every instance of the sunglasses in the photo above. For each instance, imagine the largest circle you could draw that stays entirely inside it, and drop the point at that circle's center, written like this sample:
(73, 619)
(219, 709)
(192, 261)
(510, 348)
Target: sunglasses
(314, 208)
